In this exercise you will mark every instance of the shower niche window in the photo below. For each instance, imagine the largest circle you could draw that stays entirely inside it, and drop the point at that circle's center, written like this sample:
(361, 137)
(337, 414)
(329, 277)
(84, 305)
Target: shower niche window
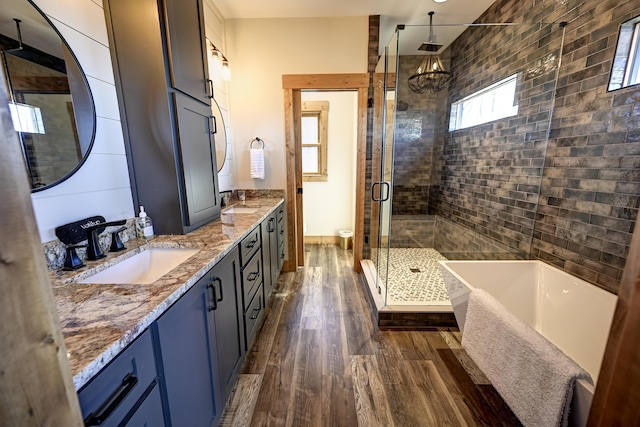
(492, 103)
(625, 70)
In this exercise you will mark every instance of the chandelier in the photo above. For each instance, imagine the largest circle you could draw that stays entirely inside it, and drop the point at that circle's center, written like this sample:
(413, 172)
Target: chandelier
(430, 75)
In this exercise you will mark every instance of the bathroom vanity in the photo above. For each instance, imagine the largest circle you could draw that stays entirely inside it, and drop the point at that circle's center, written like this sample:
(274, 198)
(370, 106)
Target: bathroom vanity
(159, 56)
(169, 352)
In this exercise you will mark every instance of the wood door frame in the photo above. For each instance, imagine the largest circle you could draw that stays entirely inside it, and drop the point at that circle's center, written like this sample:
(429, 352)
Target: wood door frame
(37, 383)
(293, 84)
(615, 401)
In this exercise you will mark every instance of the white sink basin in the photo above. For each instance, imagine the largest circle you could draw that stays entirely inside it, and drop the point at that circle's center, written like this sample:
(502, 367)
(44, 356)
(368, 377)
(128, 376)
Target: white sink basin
(143, 268)
(240, 210)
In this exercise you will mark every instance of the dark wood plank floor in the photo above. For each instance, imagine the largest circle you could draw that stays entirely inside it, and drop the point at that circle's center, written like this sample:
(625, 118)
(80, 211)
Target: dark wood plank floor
(320, 361)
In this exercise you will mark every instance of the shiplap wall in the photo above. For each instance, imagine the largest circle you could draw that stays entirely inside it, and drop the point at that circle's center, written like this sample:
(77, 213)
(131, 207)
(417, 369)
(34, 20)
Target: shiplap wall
(101, 186)
(215, 31)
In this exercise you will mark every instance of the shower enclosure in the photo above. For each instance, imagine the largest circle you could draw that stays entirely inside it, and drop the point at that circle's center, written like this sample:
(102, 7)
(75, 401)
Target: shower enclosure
(448, 179)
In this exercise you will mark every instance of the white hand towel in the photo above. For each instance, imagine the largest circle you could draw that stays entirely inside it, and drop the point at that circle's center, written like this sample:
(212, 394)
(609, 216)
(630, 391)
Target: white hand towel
(257, 163)
(533, 376)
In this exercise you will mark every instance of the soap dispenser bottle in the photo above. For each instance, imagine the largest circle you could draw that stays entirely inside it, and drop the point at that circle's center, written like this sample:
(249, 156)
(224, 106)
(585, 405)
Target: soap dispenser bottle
(144, 226)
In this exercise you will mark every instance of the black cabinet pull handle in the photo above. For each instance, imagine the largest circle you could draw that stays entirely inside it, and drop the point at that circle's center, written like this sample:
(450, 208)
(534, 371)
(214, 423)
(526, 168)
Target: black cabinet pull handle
(271, 228)
(251, 244)
(214, 297)
(107, 408)
(256, 311)
(217, 279)
(209, 88)
(253, 276)
(214, 126)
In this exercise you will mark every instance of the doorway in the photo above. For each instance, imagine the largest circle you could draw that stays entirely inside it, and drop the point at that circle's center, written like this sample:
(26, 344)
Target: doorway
(293, 86)
(328, 164)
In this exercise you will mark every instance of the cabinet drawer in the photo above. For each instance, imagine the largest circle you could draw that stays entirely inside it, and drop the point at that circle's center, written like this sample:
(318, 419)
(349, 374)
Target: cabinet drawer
(252, 316)
(249, 245)
(251, 278)
(280, 220)
(150, 412)
(111, 394)
(280, 257)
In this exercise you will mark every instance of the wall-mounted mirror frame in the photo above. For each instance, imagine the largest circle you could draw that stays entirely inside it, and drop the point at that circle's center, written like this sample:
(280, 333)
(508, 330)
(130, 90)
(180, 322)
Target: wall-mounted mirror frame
(45, 82)
(220, 135)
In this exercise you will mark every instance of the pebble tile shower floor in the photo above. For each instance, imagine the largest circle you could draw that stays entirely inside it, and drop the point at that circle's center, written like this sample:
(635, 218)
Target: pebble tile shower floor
(414, 276)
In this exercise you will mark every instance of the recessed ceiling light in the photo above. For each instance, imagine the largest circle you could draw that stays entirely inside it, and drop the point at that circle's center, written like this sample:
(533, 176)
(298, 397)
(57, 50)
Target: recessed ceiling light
(439, 1)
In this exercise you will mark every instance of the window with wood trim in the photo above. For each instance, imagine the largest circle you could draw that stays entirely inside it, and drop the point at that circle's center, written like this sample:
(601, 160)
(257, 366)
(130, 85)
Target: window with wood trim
(315, 115)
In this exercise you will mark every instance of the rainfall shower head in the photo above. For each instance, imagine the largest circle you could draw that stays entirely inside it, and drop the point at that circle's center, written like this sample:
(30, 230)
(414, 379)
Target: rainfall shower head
(431, 45)
(20, 46)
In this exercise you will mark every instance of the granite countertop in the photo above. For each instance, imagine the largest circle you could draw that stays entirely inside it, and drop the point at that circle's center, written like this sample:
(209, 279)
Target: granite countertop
(99, 320)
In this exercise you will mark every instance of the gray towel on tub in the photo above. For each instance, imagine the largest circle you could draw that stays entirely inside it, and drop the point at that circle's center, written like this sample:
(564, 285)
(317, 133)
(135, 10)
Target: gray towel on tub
(533, 376)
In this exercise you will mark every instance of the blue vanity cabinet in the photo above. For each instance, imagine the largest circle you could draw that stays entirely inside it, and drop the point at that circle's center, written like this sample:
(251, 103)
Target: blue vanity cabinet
(281, 234)
(125, 389)
(273, 248)
(197, 150)
(187, 349)
(269, 254)
(252, 275)
(228, 321)
(157, 50)
(187, 50)
(200, 348)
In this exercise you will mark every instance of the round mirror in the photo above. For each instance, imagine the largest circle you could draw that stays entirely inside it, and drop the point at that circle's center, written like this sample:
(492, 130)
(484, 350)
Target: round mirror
(220, 136)
(50, 102)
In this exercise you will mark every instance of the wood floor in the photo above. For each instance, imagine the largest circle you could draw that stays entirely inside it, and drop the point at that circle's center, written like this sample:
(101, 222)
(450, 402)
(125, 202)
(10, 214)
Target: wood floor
(320, 361)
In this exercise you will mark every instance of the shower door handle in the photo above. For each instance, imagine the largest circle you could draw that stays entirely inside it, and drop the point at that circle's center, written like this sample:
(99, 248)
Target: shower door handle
(373, 192)
(386, 197)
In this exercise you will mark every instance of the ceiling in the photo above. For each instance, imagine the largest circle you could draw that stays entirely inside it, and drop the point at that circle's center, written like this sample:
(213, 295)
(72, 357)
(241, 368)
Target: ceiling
(392, 13)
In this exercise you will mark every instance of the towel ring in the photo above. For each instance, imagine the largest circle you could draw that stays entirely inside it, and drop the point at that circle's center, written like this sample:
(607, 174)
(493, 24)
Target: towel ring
(258, 140)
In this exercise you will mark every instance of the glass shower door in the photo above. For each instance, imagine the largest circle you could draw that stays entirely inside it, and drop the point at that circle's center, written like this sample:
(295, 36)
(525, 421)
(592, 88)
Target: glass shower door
(382, 163)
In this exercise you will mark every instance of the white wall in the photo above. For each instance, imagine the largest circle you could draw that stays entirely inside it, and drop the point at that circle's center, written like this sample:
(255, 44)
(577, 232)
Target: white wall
(260, 52)
(215, 32)
(330, 206)
(101, 186)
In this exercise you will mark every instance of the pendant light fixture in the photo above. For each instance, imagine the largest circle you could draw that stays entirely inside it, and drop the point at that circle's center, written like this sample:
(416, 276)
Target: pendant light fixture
(224, 62)
(430, 75)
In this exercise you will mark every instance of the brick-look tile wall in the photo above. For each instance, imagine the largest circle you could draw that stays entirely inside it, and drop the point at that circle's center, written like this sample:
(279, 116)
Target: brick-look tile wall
(591, 186)
(572, 198)
(489, 178)
(48, 161)
(565, 191)
(412, 231)
(415, 129)
(458, 242)
(374, 37)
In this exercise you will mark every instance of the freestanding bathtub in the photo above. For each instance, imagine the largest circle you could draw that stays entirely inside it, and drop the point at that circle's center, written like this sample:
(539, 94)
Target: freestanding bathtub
(572, 314)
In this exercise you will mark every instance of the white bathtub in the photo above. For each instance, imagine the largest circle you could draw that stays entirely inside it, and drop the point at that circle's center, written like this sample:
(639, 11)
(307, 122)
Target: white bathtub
(571, 313)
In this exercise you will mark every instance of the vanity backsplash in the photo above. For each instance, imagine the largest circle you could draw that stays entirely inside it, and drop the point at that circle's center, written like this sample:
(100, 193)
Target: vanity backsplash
(55, 250)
